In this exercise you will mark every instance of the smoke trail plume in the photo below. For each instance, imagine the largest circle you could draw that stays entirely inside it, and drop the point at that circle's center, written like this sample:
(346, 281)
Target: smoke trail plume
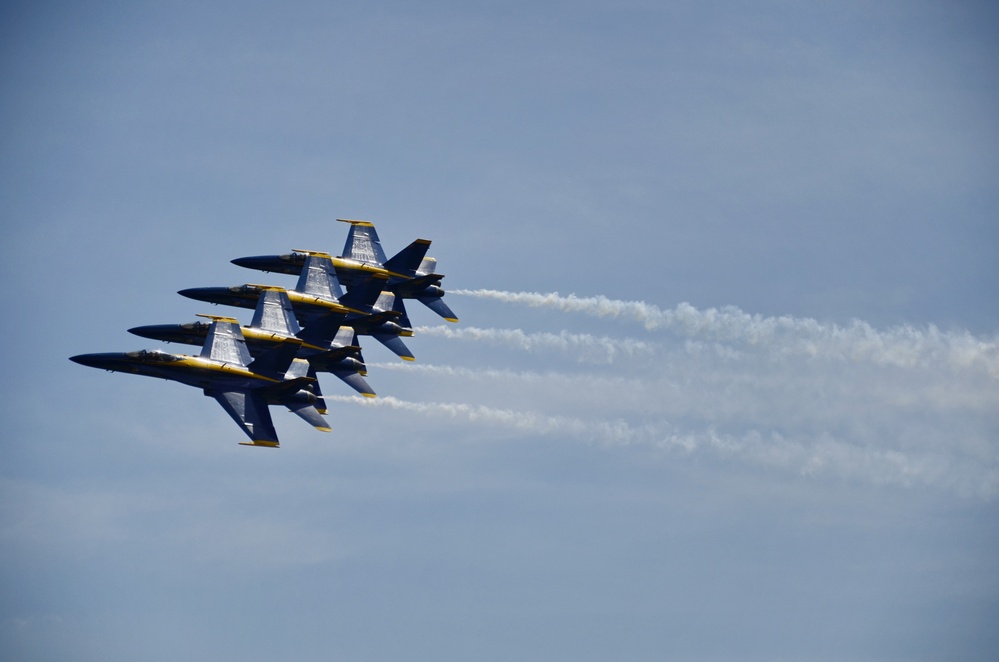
(902, 346)
(810, 456)
(584, 346)
(609, 432)
(902, 406)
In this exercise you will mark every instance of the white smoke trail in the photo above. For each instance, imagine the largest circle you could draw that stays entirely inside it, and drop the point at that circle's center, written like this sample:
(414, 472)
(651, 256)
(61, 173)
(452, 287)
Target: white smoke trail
(901, 407)
(553, 384)
(584, 346)
(605, 431)
(902, 346)
(464, 373)
(821, 455)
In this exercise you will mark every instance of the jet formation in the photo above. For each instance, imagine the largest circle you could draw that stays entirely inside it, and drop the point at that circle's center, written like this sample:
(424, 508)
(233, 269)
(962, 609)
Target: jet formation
(295, 333)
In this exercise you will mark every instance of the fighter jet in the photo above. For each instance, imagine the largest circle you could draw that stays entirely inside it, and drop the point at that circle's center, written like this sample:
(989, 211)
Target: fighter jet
(411, 274)
(274, 323)
(224, 369)
(368, 309)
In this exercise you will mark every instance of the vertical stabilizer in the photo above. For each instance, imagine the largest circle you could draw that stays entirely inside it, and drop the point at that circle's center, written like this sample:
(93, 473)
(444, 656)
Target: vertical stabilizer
(323, 329)
(318, 277)
(299, 368)
(398, 305)
(366, 294)
(345, 337)
(225, 342)
(362, 243)
(407, 261)
(276, 362)
(385, 301)
(317, 389)
(274, 313)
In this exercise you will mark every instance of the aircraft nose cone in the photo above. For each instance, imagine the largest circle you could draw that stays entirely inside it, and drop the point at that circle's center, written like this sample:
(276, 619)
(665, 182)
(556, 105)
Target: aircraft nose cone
(90, 360)
(79, 358)
(248, 262)
(151, 331)
(284, 264)
(208, 294)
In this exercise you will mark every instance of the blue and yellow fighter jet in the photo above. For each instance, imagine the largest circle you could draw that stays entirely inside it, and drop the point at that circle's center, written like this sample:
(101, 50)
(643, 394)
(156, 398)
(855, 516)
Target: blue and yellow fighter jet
(225, 371)
(369, 310)
(326, 344)
(411, 275)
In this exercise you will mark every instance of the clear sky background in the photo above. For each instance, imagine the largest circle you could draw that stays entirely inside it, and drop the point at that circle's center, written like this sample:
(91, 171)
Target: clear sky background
(789, 452)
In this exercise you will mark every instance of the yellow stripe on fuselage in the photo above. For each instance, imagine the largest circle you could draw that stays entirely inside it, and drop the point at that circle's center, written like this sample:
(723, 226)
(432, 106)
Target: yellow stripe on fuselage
(231, 369)
(313, 300)
(347, 263)
(251, 333)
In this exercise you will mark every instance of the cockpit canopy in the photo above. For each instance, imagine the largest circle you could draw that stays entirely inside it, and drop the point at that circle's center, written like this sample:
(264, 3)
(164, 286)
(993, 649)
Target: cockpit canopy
(153, 356)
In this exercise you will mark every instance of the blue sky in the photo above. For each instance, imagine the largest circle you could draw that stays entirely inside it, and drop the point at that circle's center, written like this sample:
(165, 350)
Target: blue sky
(759, 419)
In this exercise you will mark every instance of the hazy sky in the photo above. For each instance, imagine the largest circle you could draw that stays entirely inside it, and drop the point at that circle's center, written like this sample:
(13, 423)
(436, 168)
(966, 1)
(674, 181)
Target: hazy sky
(725, 385)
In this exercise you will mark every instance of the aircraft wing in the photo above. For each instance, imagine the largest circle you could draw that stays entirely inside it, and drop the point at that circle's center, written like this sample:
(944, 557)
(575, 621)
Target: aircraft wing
(249, 410)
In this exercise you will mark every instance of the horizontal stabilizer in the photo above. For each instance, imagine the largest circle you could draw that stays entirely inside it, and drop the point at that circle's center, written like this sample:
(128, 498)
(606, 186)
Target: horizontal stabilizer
(395, 345)
(310, 415)
(437, 305)
(354, 380)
